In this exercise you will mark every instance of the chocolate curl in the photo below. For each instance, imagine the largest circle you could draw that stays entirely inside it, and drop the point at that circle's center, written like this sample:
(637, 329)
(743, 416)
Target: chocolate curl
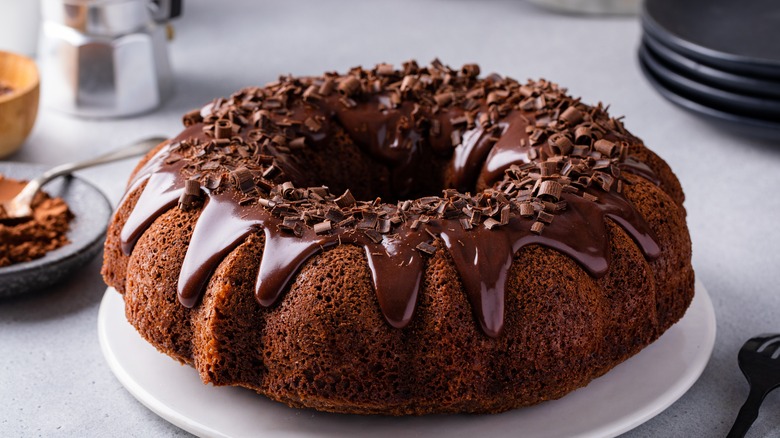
(572, 116)
(288, 190)
(548, 168)
(349, 86)
(322, 227)
(623, 153)
(346, 200)
(582, 135)
(493, 98)
(560, 144)
(470, 70)
(526, 210)
(191, 195)
(550, 188)
(244, 179)
(311, 93)
(191, 118)
(223, 129)
(408, 83)
(385, 69)
(444, 99)
(298, 143)
(327, 87)
(606, 147)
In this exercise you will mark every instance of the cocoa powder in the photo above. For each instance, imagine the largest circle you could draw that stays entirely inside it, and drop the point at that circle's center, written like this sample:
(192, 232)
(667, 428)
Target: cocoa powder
(22, 240)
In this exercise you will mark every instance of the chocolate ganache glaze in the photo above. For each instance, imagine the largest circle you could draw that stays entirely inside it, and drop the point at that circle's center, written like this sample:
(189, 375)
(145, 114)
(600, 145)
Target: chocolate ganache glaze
(543, 169)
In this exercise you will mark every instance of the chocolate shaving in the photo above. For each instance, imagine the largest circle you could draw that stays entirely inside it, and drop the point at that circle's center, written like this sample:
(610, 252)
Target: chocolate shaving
(385, 69)
(590, 197)
(407, 83)
(470, 70)
(426, 247)
(374, 235)
(312, 124)
(550, 188)
(606, 147)
(322, 227)
(298, 143)
(560, 144)
(311, 93)
(243, 179)
(191, 118)
(191, 196)
(346, 200)
(545, 217)
(349, 86)
(223, 129)
(526, 210)
(566, 146)
(443, 99)
(327, 87)
(491, 223)
(572, 116)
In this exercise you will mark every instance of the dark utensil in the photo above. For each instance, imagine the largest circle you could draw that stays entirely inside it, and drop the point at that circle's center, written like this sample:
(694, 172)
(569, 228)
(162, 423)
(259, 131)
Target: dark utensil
(758, 107)
(709, 75)
(739, 37)
(721, 118)
(759, 360)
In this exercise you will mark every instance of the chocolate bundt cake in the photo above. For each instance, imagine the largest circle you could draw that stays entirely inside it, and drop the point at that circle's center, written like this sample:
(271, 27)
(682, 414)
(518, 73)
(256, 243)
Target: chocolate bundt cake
(402, 241)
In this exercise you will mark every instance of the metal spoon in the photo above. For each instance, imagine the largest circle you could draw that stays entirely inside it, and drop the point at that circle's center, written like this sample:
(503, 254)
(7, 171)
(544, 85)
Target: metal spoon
(20, 206)
(759, 360)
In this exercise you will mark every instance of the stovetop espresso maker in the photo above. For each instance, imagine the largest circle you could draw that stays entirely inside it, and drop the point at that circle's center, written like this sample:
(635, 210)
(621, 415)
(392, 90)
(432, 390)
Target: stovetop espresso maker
(106, 58)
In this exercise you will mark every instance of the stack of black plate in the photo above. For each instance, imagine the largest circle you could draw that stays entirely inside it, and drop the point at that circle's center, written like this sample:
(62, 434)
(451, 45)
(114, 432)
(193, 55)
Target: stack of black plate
(717, 58)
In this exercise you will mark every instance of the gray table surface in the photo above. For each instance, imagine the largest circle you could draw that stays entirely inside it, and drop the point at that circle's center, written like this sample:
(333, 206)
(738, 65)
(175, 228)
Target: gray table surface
(53, 379)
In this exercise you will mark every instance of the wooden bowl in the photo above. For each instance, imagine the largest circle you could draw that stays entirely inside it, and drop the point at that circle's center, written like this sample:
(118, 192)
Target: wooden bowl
(18, 108)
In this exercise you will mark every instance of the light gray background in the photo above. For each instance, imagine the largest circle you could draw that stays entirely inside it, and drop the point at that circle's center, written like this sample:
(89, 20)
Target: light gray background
(53, 379)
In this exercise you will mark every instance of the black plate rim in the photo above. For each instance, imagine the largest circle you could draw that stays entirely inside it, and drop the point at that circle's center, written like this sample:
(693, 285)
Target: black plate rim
(747, 125)
(728, 100)
(715, 77)
(68, 255)
(728, 61)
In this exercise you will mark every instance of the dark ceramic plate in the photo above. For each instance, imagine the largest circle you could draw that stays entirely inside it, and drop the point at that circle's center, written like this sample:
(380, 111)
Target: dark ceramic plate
(757, 107)
(738, 36)
(709, 75)
(87, 231)
(723, 119)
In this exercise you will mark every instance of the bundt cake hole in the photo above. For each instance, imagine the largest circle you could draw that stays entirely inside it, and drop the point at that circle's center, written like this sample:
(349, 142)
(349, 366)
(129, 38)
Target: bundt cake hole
(342, 164)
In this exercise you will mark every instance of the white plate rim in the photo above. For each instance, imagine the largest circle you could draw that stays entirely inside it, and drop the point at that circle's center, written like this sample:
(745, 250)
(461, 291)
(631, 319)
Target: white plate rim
(701, 315)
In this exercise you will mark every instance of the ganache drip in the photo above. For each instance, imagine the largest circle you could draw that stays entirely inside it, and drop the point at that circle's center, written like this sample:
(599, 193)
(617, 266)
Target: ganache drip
(554, 165)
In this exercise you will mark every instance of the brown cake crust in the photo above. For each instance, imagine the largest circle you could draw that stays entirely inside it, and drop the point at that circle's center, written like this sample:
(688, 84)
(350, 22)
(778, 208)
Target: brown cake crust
(326, 344)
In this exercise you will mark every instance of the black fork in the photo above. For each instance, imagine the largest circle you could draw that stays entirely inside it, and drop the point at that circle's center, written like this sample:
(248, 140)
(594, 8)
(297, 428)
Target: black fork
(759, 360)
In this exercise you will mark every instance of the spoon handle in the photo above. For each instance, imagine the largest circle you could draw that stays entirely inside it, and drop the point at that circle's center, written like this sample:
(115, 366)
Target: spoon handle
(748, 413)
(137, 148)
(140, 147)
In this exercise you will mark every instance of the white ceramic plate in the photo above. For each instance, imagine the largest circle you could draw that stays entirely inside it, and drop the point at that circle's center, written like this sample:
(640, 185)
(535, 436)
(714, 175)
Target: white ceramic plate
(630, 394)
